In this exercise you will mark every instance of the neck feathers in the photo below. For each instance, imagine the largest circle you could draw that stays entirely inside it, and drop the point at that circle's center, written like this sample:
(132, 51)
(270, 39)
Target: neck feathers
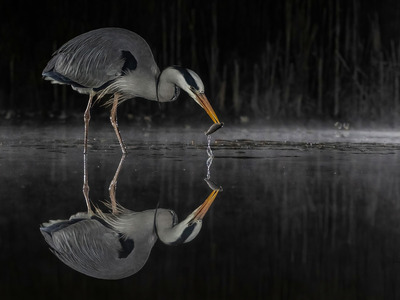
(167, 88)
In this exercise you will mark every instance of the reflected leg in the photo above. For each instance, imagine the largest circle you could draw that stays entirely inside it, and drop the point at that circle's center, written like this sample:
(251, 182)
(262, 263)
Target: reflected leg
(85, 188)
(113, 186)
(86, 119)
(114, 123)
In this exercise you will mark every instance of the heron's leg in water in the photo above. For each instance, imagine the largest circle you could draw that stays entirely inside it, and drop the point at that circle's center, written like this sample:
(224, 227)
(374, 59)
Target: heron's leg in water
(86, 118)
(85, 188)
(113, 186)
(114, 123)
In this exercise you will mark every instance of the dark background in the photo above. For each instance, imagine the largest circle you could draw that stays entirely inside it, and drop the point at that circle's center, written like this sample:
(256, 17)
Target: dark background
(292, 220)
(259, 60)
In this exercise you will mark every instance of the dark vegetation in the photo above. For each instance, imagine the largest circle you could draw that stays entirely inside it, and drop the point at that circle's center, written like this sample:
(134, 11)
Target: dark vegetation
(264, 60)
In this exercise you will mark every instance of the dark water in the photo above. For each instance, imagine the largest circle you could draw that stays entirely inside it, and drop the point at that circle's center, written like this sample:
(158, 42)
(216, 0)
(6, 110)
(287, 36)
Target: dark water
(303, 214)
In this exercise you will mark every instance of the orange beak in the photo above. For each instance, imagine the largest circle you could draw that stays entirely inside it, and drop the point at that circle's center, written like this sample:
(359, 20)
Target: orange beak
(201, 211)
(202, 100)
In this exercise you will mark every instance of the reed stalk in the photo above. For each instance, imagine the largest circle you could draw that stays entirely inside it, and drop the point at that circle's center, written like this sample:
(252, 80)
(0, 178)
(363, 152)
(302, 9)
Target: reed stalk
(255, 94)
(320, 84)
(214, 60)
(336, 91)
(221, 96)
(235, 89)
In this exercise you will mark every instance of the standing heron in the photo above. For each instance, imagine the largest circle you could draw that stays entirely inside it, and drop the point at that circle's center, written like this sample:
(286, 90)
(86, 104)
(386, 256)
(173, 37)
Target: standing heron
(119, 62)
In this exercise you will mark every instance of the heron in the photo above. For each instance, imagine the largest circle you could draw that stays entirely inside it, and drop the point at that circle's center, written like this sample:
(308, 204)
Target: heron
(117, 244)
(119, 62)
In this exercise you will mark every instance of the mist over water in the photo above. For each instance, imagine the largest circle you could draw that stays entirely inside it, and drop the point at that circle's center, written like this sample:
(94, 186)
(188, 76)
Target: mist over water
(303, 212)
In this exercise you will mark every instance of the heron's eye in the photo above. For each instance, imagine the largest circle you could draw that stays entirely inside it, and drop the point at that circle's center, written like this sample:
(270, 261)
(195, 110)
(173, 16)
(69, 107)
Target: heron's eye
(193, 89)
(174, 217)
(194, 222)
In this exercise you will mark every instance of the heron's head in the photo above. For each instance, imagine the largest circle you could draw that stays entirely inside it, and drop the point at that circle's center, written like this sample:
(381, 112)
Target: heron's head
(191, 83)
(171, 232)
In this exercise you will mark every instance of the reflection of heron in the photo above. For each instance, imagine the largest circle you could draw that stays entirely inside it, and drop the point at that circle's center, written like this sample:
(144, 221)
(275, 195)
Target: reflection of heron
(118, 61)
(117, 245)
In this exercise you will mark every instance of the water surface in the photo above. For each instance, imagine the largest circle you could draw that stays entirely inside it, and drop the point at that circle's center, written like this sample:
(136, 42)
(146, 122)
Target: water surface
(304, 213)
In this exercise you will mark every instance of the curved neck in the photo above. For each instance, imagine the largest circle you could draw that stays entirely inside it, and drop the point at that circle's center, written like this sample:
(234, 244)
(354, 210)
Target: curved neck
(179, 234)
(166, 88)
(172, 233)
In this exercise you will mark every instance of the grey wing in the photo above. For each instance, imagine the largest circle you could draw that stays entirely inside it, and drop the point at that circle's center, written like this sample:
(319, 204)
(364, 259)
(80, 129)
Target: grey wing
(89, 247)
(96, 58)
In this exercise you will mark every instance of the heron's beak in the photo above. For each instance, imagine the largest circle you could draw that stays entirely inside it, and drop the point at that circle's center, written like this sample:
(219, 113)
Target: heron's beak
(201, 211)
(202, 100)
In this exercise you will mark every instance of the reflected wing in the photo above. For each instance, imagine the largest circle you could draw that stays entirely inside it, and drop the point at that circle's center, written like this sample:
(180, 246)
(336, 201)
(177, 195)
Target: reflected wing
(88, 246)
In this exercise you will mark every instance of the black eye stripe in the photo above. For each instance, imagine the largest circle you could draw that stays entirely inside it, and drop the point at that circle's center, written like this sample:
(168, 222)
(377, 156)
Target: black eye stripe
(188, 78)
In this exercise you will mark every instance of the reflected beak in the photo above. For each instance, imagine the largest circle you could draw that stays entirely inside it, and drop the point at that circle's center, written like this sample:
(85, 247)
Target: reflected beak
(202, 100)
(201, 211)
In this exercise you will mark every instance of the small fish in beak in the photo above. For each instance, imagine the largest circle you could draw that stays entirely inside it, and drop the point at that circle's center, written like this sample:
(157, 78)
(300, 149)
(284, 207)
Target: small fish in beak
(214, 128)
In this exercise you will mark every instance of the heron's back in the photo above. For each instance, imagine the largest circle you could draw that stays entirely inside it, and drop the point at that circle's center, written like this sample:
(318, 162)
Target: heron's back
(93, 247)
(93, 60)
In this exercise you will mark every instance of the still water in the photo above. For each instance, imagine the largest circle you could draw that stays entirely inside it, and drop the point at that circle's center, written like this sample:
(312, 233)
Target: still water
(303, 214)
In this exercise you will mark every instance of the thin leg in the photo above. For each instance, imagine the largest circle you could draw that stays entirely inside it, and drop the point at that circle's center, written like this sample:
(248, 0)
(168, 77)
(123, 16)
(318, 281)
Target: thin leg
(114, 123)
(85, 188)
(86, 118)
(113, 187)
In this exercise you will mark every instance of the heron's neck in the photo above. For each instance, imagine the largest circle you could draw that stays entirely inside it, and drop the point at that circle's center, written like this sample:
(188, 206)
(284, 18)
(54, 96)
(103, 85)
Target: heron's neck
(167, 90)
(171, 233)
